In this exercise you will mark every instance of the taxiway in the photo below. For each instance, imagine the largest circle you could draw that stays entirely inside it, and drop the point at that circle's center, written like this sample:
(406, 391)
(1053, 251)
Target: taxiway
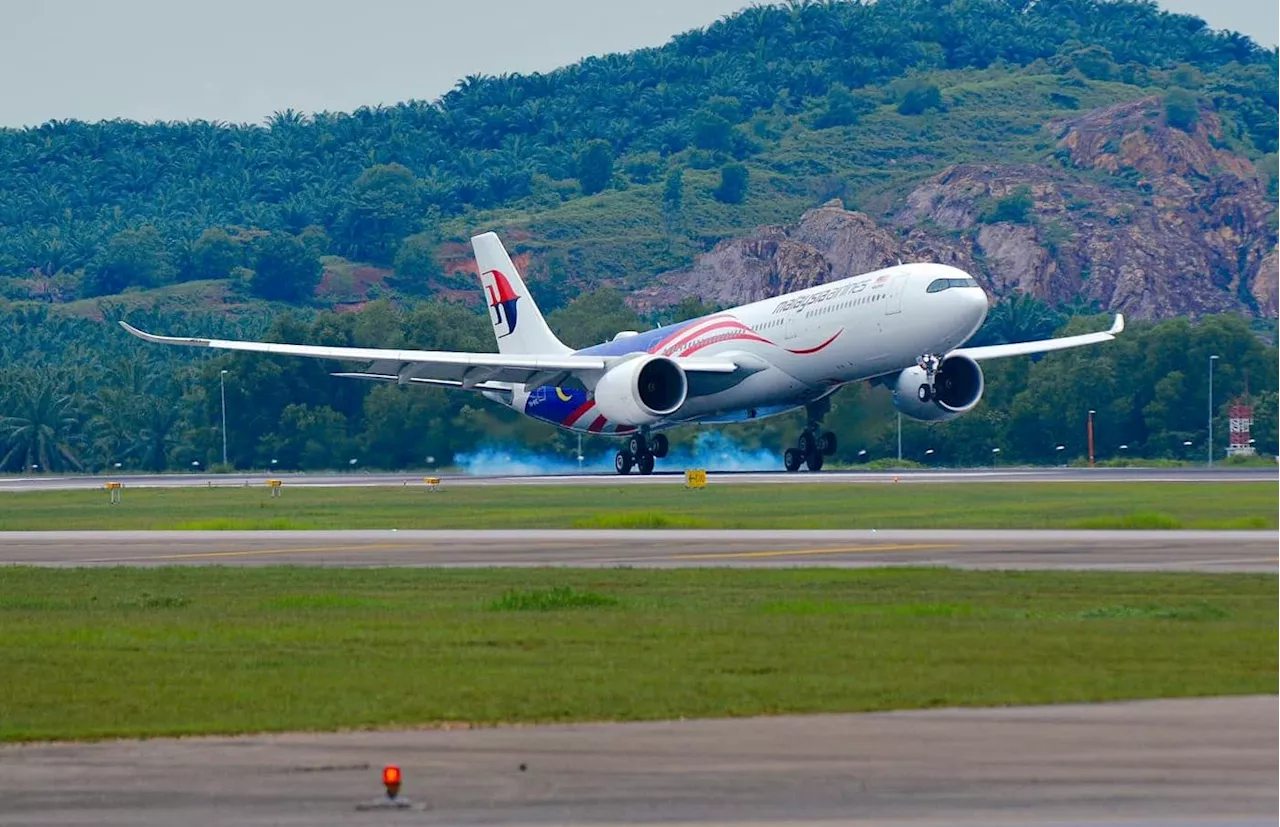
(1222, 551)
(1174, 763)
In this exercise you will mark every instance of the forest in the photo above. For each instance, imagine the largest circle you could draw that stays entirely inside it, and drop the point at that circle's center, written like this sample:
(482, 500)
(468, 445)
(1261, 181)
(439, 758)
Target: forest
(245, 229)
(78, 400)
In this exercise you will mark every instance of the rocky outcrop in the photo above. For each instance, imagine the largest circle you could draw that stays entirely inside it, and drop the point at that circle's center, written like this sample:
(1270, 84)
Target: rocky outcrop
(1131, 215)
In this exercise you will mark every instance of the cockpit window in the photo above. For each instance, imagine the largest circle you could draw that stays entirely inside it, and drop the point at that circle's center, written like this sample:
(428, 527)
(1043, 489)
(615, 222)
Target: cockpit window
(938, 285)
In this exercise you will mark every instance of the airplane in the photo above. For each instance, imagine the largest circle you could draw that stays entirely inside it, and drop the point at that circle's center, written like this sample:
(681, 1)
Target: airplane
(903, 325)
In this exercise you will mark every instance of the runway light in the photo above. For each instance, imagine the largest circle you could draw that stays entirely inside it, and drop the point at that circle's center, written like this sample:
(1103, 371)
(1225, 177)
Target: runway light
(391, 780)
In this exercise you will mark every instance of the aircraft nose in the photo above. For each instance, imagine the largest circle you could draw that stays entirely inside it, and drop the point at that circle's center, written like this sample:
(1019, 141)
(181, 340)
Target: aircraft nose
(976, 305)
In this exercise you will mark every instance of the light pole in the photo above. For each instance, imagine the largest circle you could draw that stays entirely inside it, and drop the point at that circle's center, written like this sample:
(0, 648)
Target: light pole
(222, 387)
(1091, 413)
(1060, 449)
(899, 437)
(1212, 359)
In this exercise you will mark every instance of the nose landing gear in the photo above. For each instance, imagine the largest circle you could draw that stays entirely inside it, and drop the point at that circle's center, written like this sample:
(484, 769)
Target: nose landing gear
(640, 452)
(929, 364)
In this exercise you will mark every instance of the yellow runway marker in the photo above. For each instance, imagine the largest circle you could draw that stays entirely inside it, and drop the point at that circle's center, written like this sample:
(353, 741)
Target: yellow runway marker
(200, 555)
(802, 552)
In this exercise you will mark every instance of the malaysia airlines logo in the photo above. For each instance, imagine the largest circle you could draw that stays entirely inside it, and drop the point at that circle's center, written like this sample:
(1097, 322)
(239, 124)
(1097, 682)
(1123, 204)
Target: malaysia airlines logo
(502, 302)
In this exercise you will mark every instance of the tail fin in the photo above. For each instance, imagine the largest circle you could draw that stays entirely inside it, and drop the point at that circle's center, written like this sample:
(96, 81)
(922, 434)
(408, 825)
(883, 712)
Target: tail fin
(517, 323)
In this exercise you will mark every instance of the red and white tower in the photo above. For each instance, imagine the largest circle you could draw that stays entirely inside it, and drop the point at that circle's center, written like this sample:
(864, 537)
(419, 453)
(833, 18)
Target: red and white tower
(1241, 421)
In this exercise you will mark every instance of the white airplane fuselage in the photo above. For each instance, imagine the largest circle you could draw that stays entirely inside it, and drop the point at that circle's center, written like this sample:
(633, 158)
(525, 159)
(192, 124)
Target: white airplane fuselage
(800, 346)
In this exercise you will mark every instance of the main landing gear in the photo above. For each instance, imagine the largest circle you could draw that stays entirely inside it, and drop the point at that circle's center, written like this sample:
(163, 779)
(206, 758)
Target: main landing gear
(640, 452)
(813, 447)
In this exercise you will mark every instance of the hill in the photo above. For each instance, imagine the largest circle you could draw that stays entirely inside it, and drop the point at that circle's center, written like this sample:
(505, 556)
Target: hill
(613, 168)
(1131, 214)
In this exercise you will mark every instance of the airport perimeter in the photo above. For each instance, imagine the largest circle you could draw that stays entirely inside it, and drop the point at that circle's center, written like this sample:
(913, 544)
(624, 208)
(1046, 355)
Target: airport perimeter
(460, 633)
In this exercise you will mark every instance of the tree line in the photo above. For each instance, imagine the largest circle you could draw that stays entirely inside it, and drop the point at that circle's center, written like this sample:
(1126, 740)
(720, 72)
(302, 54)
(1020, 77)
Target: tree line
(76, 397)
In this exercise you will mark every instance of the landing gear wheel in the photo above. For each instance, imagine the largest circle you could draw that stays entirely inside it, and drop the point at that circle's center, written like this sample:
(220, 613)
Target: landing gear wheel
(645, 464)
(660, 445)
(807, 444)
(924, 393)
(636, 446)
(814, 461)
(827, 443)
(622, 461)
(792, 459)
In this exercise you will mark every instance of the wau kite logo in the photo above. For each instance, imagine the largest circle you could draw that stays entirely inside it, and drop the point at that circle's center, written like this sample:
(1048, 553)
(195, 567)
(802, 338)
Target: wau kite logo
(502, 303)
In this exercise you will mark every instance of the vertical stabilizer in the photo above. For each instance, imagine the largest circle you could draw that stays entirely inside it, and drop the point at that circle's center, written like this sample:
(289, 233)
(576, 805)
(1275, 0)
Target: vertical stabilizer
(517, 323)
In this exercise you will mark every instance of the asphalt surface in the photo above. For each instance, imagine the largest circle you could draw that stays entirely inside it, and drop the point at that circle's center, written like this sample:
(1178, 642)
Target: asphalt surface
(1241, 551)
(359, 479)
(1172, 762)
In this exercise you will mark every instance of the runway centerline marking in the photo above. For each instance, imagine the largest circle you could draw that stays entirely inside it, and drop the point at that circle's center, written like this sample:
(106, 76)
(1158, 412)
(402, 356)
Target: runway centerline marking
(741, 555)
(198, 555)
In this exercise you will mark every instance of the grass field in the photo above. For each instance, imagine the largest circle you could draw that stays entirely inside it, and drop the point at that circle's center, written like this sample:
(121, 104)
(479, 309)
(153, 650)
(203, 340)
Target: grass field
(138, 652)
(720, 505)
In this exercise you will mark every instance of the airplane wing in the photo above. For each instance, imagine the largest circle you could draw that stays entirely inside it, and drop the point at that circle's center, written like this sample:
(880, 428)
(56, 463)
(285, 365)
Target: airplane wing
(1043, 346)
(464, 370)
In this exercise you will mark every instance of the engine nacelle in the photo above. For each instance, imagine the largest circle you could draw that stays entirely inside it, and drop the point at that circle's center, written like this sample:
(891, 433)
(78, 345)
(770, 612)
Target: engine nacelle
(958, 387)
(641, 391)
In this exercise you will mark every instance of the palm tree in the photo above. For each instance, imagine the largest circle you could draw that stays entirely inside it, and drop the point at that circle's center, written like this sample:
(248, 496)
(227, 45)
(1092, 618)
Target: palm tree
(42, 430)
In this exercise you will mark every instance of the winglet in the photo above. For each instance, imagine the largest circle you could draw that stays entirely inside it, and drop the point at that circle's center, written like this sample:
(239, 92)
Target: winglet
(1118, 325)
(164, 340)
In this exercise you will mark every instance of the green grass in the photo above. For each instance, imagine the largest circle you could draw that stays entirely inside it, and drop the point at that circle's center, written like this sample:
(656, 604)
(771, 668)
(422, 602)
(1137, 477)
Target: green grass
(719, 505)
(147, 652)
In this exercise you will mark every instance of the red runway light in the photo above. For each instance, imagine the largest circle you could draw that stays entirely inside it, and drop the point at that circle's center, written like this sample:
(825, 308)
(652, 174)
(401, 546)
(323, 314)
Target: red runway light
(391, 779)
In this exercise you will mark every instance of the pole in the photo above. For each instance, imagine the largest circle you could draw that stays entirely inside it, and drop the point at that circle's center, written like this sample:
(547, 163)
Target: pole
(1212, 359)
(222, 386)
(1091, 439)
(899, 437)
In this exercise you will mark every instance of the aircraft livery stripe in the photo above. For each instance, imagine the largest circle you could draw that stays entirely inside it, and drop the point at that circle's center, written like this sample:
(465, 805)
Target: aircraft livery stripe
(819, 347)
(737, 337)
(579, 412)
(687, 329)
(703, 330)
(598, 425)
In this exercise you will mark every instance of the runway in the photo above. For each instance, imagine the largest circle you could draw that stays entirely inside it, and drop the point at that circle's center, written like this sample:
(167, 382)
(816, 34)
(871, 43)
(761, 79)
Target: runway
(359, 479)
(1205, 551)
(1174, 763)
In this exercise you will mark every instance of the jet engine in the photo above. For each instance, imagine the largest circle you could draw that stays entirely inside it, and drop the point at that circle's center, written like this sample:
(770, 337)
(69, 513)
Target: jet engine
(641, 391)
(957, 388)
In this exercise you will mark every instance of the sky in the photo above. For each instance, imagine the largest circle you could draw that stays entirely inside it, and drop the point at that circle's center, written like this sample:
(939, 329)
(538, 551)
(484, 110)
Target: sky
(241, 60)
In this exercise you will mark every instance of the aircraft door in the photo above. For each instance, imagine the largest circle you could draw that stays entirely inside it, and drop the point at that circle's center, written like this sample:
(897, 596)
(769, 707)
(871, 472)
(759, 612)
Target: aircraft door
(893, 296)
(791, 326)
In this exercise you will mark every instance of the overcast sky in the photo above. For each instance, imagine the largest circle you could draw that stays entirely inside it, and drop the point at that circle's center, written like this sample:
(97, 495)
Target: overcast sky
(241, 60)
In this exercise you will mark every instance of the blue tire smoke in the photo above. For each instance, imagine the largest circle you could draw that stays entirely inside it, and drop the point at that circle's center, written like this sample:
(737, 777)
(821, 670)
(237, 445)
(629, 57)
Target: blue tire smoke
(711, 450)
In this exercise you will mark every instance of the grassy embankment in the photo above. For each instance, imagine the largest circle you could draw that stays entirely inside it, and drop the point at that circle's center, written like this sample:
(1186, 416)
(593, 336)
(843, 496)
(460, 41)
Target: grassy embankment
(720, 505)
(142, 652)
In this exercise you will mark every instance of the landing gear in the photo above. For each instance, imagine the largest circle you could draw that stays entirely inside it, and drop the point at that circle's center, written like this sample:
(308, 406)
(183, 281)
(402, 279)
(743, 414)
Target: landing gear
(929, 364)
(640, 453)
(812, 448)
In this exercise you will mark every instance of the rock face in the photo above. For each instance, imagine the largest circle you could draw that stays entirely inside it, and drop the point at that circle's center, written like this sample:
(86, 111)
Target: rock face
(1129, 215)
